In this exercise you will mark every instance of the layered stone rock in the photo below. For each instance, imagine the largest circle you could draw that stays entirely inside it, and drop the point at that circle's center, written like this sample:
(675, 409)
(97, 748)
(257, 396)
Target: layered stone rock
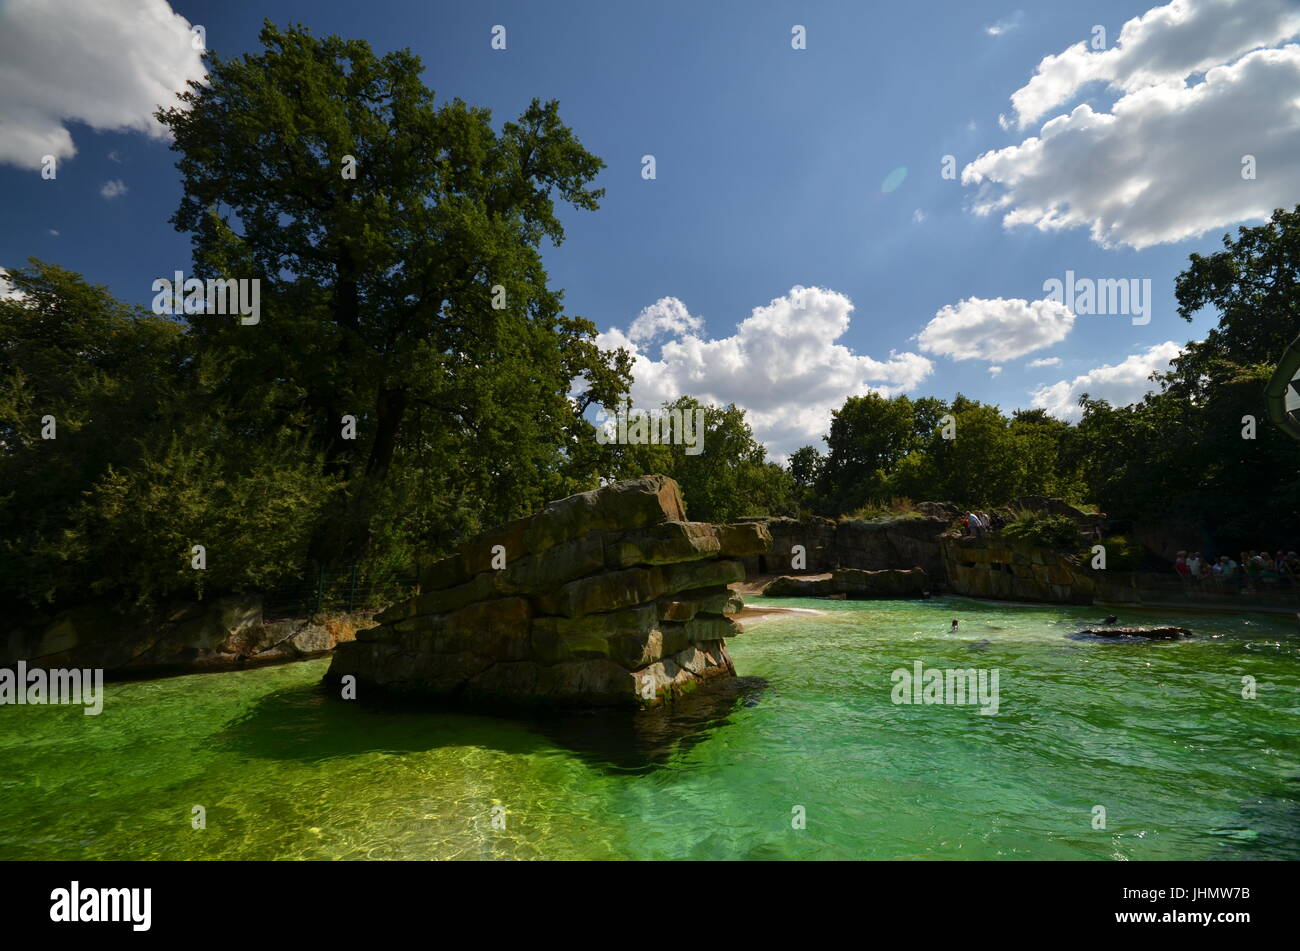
(606, 598)
(1006, 570)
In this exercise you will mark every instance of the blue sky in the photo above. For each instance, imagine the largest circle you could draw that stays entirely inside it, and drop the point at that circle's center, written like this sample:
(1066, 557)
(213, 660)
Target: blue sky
(771, 167)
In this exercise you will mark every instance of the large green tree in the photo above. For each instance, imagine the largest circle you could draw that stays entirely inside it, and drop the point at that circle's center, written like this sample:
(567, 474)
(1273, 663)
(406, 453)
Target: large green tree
(869, 435)
(1200, 447)
(398, 245)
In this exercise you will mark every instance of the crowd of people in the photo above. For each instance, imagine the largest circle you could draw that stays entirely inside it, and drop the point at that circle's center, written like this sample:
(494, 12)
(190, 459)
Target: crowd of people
(1256, 569)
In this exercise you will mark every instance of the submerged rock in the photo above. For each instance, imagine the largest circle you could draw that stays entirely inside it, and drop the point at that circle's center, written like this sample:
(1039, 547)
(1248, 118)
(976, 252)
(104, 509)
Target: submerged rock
(606, 598)
(1152, 633)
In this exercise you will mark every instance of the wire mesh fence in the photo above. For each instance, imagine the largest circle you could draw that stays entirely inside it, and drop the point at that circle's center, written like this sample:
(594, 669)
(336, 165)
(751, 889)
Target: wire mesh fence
(323, 590)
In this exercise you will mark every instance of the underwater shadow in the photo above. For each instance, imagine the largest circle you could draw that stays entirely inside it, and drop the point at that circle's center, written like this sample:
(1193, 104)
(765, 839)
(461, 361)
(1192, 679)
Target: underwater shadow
(310, 722)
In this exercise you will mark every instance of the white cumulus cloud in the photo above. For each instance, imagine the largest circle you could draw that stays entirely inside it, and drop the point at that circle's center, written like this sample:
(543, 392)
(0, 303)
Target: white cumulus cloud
(107, 63)
(782, 364)
(113, 188)
(1046, 362)
(1201, 86)
(665, 317)
(1120, 383)
(1165, 45)
(995, 329)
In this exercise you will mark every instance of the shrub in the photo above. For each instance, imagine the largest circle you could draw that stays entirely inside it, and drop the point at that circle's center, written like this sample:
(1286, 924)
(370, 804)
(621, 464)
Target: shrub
(1046, 531)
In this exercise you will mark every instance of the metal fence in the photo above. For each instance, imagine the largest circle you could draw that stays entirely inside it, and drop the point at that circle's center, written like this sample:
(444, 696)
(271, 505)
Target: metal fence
(339, 589)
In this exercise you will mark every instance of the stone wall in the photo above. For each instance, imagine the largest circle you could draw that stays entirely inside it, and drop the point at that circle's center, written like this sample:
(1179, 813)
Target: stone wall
(1001, 569)
(607, 598)
(902, 543)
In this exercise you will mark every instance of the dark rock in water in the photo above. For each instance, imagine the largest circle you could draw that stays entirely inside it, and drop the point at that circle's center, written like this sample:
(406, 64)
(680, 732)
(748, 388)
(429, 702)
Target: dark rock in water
(1152, 633)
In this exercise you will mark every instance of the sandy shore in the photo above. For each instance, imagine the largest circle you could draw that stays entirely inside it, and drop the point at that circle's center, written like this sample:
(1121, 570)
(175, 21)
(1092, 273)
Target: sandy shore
(754, 615)
(749, 590)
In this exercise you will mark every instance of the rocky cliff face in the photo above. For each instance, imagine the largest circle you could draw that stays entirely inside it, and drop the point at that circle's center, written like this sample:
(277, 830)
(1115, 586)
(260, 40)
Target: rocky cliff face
(903, 543)
(1001, 569)
(607, 598)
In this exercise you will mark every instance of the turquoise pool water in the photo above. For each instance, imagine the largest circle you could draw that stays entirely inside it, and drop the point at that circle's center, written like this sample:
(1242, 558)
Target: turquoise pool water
(1157, 733)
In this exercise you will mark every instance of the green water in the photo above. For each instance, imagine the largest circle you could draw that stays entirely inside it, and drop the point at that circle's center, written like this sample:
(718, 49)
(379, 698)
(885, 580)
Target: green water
(1156, 732)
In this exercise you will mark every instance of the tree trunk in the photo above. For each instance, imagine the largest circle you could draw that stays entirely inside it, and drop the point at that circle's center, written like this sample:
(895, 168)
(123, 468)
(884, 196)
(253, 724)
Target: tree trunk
(390, 410)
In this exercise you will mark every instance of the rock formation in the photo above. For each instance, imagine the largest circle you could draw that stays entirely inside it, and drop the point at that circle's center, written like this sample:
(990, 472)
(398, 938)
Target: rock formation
(1004, 569)
(225, 633)
(855, 543)
(606, 598)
